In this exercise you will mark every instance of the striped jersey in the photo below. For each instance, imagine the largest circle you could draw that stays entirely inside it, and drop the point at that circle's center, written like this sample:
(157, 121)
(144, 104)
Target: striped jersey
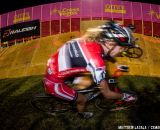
(75, 57)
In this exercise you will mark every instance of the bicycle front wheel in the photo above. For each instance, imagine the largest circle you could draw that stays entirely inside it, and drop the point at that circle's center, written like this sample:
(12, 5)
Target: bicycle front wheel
(134, 52)
(49, 104)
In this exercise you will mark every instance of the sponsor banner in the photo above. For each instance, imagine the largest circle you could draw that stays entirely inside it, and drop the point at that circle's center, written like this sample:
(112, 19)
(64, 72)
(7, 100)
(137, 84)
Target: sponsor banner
(28, 14)
(86, 9)
(107, 10)
(21, 30)
(155, 13)
(11, 16)
(75, 9)
(117, 9)
(146, 9)
(45, 12)
(128, 7)
(66, 10)
(36, 13)
(0, 22)
(137, 11)
(4, 20)
(97, 10)
(55, 11)
(18, 16)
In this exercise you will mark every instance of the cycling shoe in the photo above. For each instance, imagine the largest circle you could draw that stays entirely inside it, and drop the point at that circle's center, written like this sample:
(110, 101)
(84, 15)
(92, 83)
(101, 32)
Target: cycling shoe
(129, 97)
(86, 115)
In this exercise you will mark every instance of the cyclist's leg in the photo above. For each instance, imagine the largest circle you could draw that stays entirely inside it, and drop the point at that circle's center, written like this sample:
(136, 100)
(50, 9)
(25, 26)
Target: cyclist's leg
(81, 101)
(82, 82)
(63, 91)
(58, 89)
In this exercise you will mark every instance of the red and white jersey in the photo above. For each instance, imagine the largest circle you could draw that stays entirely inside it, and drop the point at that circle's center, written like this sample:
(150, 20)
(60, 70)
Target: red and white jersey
(75, 57)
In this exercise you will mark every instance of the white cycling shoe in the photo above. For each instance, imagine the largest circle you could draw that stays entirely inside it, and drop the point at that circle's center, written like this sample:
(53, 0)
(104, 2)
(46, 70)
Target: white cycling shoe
(129, 98)
(86, 115)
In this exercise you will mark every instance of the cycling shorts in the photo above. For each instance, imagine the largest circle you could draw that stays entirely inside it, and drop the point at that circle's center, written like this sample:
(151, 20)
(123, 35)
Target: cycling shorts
(59, 89)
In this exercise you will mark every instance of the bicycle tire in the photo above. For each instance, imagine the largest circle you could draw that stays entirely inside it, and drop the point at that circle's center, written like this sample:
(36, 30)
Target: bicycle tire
(134, 52)
(49, 104)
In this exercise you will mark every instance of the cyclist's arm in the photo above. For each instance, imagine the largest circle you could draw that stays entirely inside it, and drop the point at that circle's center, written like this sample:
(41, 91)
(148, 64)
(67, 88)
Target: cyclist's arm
(100, 78)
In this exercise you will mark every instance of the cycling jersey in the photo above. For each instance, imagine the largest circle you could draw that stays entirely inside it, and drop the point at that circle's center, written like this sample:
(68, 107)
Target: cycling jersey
(75, 57)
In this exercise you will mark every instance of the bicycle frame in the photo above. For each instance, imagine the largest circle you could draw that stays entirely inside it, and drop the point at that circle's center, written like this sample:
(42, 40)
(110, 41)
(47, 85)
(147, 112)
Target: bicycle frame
(89, 94)
(93, 92)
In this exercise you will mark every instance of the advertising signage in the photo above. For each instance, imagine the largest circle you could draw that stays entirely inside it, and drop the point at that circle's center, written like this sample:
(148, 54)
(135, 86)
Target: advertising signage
(21, 30)
(77, 9)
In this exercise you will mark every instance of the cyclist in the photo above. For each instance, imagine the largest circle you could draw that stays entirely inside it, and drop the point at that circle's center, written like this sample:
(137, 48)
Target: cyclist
(86, 54)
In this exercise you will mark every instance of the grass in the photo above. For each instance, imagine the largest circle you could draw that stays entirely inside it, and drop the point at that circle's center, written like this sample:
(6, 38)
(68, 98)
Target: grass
(18, 114)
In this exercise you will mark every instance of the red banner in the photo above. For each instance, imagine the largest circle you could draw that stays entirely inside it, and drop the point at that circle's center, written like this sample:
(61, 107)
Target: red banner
(37, 12)
(45, 12)
(97, 10)
(66, 10)
(55, 11)
(146, 12)
(28, 14)
(18, 18)
(128, 10)
(155, 13)
(107, 9)
(136, 7)
(0, 22)
(75, 9)
(84, 9)
(117, 9)
(11, 16)
(4, 21)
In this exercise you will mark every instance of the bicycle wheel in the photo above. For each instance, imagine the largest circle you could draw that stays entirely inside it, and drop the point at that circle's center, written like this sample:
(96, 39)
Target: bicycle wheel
(134, 52)
(49, 104)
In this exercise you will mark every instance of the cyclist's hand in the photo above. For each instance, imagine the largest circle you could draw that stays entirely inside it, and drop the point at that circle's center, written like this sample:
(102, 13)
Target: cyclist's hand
(123, 68)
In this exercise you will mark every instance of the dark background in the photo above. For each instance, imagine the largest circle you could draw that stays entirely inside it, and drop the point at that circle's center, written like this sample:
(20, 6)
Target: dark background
(11, 5)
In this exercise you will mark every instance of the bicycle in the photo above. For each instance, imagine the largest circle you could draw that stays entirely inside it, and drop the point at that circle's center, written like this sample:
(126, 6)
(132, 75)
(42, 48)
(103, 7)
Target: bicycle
(133, 52)
(53, 106)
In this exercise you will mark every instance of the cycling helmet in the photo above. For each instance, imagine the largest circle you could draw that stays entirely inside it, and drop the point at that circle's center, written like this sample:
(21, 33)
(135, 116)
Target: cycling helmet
(119, 34)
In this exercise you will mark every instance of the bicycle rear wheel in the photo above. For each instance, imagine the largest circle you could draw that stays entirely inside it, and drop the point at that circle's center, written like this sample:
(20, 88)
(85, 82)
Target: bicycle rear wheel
(49, 104)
